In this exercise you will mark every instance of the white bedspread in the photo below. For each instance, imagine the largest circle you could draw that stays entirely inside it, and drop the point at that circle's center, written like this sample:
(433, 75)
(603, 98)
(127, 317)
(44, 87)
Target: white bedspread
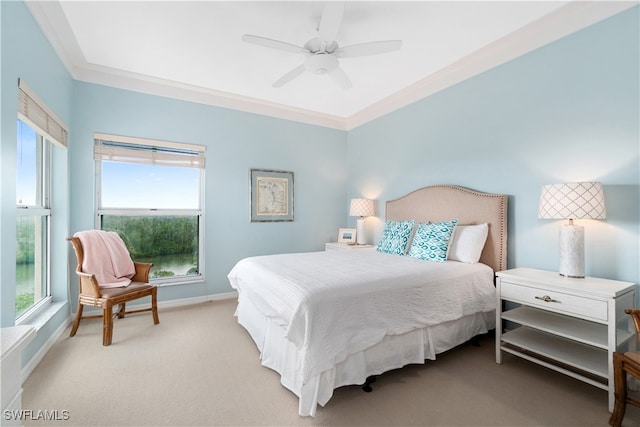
(336, 303)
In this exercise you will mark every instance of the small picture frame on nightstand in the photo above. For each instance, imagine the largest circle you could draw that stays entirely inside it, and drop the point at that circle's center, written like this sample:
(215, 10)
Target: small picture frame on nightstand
(347, 235)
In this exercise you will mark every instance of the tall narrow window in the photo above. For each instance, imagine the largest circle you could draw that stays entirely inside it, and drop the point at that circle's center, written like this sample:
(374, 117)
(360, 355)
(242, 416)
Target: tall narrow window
(38, 130)
(150, 193)
(32, 221)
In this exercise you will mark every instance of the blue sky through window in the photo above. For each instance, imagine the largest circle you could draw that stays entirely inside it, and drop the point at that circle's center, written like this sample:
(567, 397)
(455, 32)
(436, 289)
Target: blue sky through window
(26, 187)
(141, 186)
(124, 185)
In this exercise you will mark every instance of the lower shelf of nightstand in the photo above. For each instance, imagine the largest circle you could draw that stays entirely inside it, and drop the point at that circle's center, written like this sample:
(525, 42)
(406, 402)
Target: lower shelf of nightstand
(580, 361)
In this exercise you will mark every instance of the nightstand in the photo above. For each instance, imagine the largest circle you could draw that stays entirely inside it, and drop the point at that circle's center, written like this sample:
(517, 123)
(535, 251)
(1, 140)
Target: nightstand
(335, 246)
(572, 326)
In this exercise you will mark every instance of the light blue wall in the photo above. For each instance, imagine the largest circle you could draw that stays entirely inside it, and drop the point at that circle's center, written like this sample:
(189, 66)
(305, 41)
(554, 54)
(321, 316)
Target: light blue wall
(566, 112)
(236, 142)
(26, 54)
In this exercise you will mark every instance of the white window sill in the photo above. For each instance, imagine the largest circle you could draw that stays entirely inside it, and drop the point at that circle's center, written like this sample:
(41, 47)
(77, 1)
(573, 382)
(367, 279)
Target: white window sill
(184, 280)
(40, 317)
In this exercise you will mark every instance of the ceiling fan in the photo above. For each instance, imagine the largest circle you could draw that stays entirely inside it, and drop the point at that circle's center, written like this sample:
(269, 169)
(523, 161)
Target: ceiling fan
(322, 52)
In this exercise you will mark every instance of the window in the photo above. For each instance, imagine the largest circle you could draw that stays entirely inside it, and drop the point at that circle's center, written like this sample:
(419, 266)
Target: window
(37, 128)
(32, 221)
(150, 193)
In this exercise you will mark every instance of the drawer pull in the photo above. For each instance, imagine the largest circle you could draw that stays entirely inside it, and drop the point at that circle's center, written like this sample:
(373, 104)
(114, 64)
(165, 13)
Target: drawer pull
(547, 298)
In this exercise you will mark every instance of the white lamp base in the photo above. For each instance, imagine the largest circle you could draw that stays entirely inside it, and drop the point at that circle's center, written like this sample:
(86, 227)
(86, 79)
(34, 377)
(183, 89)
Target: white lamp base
(360, 237)
(571, 251)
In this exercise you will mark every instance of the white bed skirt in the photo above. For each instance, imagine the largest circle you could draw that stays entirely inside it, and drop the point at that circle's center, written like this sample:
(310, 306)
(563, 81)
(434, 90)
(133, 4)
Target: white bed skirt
(393, 352)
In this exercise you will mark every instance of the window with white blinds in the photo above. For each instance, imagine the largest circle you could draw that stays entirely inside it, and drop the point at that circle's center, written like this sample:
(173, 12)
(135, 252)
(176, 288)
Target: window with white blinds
(138, 150)
(33, 111)
(38, 128)
(150, 192)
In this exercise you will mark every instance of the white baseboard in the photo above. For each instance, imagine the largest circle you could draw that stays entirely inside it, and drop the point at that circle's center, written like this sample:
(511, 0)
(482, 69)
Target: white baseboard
(196, 300)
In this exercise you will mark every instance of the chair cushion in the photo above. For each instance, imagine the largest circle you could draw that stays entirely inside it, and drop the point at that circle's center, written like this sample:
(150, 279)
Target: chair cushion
(133, 287)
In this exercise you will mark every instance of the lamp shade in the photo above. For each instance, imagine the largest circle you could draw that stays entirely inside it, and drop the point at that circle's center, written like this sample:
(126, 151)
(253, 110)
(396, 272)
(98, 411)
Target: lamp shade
(573, 200)
(361, 207)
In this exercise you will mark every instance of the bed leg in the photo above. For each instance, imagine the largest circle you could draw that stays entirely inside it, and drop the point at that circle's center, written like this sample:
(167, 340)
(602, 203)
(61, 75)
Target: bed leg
(476, 340)
(367, 384)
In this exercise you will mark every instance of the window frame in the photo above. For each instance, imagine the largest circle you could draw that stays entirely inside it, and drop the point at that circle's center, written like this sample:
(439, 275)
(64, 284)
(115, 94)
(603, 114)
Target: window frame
(42, 209)
(199, 213)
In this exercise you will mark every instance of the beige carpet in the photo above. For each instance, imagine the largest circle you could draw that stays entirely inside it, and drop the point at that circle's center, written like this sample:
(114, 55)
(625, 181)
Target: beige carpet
(199, 367)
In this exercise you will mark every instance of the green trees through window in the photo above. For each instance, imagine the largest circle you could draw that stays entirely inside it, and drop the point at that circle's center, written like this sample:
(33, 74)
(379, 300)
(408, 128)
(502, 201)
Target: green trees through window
(170, 242)
(32, 218)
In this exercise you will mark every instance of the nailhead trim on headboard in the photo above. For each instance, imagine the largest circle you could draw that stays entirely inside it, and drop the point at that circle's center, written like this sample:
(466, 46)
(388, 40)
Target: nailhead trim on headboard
(446, 202)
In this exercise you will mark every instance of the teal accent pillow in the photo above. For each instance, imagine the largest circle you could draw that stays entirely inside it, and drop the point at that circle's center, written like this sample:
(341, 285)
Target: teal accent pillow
(395, 237)
(431, 241)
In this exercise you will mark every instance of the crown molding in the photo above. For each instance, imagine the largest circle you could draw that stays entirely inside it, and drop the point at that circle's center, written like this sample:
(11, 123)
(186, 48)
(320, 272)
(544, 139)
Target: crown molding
(53, 23)
(176, 90)
(567, 19)
(55, 27)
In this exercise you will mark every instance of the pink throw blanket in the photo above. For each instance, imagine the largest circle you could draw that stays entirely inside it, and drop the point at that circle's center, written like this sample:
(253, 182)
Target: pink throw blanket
(106, 257)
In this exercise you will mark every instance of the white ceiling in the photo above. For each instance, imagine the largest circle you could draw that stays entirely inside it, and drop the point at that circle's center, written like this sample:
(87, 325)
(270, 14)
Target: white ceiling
(193, 50)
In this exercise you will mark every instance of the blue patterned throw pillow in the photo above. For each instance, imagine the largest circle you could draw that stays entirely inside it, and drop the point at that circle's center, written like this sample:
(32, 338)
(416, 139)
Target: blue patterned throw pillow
(431, 241)
(395, 237)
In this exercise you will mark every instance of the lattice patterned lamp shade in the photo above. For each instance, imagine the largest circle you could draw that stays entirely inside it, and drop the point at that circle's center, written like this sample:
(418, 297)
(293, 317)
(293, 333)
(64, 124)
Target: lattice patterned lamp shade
(361, 208)
(574, 200)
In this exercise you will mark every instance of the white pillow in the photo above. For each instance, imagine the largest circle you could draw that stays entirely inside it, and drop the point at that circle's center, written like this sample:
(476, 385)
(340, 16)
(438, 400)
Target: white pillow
(467, 243)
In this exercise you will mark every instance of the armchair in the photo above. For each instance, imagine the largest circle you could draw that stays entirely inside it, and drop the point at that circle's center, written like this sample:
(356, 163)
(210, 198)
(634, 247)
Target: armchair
(92, 294)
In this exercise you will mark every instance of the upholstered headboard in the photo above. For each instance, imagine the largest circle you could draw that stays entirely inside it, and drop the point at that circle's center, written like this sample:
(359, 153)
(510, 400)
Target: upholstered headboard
(445, 202)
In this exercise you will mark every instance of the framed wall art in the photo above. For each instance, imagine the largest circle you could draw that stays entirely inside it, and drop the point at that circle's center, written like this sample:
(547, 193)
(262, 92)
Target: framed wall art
(271, 195)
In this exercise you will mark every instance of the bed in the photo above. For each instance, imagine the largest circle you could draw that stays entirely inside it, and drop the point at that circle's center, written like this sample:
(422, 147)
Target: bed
(323, 320)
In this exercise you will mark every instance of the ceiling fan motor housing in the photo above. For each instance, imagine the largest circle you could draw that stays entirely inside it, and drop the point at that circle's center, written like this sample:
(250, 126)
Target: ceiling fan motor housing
(316, 45)
(321, 63)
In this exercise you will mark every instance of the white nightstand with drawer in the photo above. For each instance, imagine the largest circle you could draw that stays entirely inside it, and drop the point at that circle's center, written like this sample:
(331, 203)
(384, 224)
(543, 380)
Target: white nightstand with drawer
(569, 325)
(333, 246)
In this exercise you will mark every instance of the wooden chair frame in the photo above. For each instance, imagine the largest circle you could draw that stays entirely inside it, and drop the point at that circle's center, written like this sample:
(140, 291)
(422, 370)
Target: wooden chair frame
(623, 364)
(90, 294)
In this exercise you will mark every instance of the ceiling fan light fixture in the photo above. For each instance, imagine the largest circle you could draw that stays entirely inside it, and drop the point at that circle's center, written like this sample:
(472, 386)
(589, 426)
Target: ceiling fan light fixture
(322, 52)
(321, 63)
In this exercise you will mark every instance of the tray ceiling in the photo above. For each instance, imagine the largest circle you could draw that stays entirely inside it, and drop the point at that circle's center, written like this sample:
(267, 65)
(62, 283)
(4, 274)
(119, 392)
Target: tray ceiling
(193, 50)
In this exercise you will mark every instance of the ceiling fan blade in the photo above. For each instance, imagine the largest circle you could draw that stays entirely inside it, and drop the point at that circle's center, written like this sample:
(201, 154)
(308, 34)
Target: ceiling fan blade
(274, 44)
(370, 48)
(289, 76)
(330, 21)
(341, 78)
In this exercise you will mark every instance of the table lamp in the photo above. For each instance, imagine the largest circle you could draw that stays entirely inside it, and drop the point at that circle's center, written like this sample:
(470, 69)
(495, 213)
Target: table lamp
(574, 200)
(361, 208)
